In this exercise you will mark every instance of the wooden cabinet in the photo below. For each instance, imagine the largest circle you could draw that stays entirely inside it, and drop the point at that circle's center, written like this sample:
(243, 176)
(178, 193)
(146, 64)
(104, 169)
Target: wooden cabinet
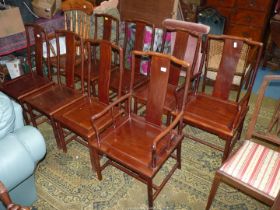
(149, 10)
(246, 18)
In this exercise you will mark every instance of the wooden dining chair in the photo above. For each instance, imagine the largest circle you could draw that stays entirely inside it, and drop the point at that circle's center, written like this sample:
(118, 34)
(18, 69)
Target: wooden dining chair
(5, 198)
(66, 91)
(77, 116)
(109, 32)
(140, 145)
(214, 112)
(36, 79)
(243, 72)
(254, 167)
(185, 40)
(77, 18)
(139, 35)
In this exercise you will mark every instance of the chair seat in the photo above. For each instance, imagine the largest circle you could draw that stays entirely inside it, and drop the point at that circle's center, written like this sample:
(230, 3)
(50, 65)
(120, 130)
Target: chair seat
(24, 85)
(131, 145)
(211, 114)
(53, 99)
(114, 83)
(77, 116)
(263, 173)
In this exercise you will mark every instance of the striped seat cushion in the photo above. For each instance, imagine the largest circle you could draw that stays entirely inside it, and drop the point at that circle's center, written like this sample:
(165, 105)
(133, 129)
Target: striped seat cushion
(257, 166)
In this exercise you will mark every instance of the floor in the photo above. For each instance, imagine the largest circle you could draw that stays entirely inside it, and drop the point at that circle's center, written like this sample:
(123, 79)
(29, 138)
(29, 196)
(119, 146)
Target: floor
(273, 90)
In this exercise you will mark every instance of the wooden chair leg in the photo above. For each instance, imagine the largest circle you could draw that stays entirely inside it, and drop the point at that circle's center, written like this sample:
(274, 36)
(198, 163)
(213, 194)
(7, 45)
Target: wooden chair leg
(226, 150)
(61, 137)
(150, 193)
(95, 162)
(213, 191)
(56, 135)
(179, 155)
(31, 115)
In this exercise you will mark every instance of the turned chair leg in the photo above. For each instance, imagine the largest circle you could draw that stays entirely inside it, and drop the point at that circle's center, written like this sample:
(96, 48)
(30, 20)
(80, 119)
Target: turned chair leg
(213, 191)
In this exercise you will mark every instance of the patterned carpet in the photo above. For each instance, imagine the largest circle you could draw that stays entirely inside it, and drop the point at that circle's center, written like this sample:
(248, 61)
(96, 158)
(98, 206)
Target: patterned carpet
(65, 180)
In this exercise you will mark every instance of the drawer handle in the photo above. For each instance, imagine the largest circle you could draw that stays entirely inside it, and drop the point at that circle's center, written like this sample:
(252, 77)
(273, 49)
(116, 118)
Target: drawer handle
(252, 3)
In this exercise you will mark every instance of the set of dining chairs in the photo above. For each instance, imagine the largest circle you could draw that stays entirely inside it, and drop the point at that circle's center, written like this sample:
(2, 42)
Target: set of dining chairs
(133, 116)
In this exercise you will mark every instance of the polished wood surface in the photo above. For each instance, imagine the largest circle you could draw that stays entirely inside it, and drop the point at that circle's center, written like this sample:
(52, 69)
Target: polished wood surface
(77, 116)
(66, 91)
(140, 145)
(138, 44)
(268, 136)
(245, 18)
(35, 79)
(215, 112)
(5, 198)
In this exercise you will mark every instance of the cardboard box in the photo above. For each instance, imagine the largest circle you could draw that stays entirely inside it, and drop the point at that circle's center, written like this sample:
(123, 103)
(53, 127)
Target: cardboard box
(10, 22)
(44, 8)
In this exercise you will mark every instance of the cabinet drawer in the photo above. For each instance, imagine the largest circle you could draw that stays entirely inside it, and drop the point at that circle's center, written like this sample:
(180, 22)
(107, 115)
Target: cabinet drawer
(262, 5)
(250, 18)
(220, 3)
(245, 31)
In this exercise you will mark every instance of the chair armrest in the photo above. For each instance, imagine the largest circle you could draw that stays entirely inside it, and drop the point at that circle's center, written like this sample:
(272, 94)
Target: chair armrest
(110, 107)
(161, 136)
(242, 109)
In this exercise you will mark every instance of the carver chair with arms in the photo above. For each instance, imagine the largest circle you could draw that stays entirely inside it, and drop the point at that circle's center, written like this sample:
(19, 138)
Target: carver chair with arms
(214, 112)
(140, 145)
(255, 167)
(139, 35)
(77, 116)
(63, 93)
(185, 38)
(36, 79)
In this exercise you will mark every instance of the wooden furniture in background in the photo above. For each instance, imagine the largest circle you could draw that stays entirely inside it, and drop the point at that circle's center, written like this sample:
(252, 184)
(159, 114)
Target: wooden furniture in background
(66, 91)
(245, 18)
(149, 10)
(272, 54)
(215, 112)
(77, 14)
(5, 198)
(137, 145)
(252, 161)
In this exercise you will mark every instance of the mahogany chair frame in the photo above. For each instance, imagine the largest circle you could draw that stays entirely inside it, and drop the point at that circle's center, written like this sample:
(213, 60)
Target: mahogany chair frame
(5, 198)
(77, 116)
(66, 91)
(270, 137)
(35, 80)
(140, 30)
(215, 113)
(174, 88)
(139, 146)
